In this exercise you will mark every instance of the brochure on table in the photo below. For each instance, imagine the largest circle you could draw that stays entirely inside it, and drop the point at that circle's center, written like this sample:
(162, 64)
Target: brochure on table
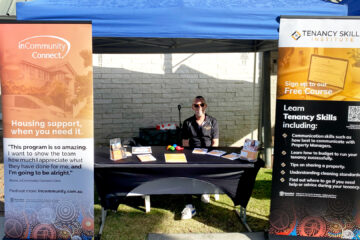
(141, 150)
(216, 153)
(231, 156)
(200, 151)
(175, 158)
(250, 150)
(117, 151)
(146, 157)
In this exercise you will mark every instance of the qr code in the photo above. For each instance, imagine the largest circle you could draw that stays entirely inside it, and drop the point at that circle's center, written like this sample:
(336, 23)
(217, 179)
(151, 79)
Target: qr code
(354, 114)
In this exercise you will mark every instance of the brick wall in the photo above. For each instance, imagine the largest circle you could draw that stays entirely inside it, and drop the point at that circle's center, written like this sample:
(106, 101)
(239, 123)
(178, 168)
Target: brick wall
(141, 90)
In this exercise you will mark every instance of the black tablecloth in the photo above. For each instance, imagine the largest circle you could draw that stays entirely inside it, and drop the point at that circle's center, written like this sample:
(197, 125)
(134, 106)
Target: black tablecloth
(114, 179)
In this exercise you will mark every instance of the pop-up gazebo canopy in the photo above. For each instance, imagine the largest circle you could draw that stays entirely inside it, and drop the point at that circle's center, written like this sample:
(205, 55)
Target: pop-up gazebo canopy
(181, 25)
(175, 26)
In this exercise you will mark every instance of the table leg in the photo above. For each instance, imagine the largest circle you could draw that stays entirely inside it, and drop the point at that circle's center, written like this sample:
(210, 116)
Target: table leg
(147, 203)
(242, 215)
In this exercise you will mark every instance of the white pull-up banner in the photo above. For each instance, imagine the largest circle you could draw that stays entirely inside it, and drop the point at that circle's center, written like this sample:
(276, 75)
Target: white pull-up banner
(316, 174)
(47, 104)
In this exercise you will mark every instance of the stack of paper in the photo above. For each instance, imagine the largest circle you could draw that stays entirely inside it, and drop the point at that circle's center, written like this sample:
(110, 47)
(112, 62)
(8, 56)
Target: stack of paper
(175, 158)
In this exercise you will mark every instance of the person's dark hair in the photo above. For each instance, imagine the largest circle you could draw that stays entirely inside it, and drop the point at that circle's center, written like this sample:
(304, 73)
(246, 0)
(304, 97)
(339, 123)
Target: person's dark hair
(202, 99)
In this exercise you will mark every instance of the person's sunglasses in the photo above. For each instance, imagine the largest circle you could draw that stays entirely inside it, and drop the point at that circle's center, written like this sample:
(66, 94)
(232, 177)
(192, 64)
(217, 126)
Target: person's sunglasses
(199, 105)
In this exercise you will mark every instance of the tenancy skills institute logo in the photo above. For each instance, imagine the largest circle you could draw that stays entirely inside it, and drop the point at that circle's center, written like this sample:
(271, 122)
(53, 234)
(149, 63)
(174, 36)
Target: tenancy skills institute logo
(332, 35)
(296, 35)
(45, 47)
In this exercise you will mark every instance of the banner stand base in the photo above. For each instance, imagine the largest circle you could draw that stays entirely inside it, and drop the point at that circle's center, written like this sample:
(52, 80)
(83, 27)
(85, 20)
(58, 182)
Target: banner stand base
(283, 237)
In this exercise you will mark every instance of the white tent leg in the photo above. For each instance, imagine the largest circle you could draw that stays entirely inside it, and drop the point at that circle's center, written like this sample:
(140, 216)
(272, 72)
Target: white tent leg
(102, 223)
(253, 96)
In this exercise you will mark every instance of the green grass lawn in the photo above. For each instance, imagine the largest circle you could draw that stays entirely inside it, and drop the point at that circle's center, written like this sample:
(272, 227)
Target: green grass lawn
(131, 222)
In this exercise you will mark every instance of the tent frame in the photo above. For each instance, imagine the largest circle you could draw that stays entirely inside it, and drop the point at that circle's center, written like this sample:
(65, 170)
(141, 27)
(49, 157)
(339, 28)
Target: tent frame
(123, 45)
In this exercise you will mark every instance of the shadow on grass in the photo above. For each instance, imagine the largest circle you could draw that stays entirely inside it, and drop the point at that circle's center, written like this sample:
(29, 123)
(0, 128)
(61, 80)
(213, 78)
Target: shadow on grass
(131, 221)
(165, 217)
(262, 189)
(219, 215)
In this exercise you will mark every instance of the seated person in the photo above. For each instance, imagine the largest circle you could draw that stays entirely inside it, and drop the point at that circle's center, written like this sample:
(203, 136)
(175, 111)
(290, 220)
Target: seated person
(200, 130)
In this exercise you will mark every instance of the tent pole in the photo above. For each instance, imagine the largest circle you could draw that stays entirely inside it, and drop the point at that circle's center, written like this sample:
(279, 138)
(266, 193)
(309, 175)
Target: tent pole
(253, 97)
(261, 86)
(266, 108)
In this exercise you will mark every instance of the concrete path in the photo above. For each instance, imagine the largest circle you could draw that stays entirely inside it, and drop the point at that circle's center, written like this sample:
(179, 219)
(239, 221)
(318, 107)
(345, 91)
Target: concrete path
(207, 236)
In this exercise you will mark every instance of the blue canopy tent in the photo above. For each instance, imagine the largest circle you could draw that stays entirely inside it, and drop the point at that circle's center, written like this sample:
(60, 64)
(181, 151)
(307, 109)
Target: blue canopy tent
(210, 19)
(182, 25)
(175, 26)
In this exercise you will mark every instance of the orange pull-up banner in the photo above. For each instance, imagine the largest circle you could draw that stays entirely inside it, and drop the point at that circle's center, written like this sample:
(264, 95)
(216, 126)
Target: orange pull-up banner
(47, 104)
